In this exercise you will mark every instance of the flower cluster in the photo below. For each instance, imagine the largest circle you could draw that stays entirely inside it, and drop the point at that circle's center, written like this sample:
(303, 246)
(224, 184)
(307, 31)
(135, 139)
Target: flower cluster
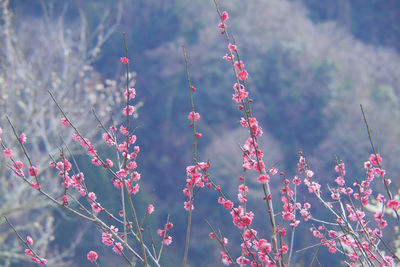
(30, 253)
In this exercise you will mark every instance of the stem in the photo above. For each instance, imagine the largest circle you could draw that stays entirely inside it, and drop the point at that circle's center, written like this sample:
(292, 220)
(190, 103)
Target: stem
(145, 263)
(379, 165)
(25, 242)
(194, 160)
(247, 112)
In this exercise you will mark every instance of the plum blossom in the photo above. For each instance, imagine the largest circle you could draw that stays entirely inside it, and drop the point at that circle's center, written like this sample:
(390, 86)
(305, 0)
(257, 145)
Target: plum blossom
(92, 256)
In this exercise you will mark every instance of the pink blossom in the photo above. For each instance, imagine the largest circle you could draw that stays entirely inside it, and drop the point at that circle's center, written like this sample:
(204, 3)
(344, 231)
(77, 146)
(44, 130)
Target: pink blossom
(122, 173)
(309, 173)
(296, 180)
(284, 249)
(161, 232)
(393, 204)
(29, 240)
(228, 205)
(224, 16)
(273, 171)
(132, 165)
(243, 75)
(136, 176)
(167, 240)
(28, 252)
(22, 138)
(92, 152)
(353, 256)
(92, 196)
(130, 109)
(242, 198)
(239, 96)
(332, 234)
(243, 189)
(169, 226)
(132, 93)
(8, 153)
(211, 235)
(242, 261)
(375, 159)
(64, 121)
(132, 139)
(263, 178)
(187, 205)
(134, 190)
(118, 248)
(380, 198)
(42, 261)
(340, 181)
(228, 57)
(262, 245)
(108, 139)
(96, 208)
(123, 130)
(18, 165)
(107, 239)
(92, 256)
(150, 209)
(232, 48)
(250, 234)
(260, 166)
(35, 186)
(223, 27)
(96, 161)
(124, 60)
(225, 259)
(239, 65)
(288, 216)
(195, 118)
(64, 199)
(109, 163)
(33, 171)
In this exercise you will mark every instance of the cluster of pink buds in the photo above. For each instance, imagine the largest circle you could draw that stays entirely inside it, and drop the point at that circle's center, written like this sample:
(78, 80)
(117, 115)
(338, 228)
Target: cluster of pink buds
(30, 253)
(167, 240)
(108, 240)
(195, 178)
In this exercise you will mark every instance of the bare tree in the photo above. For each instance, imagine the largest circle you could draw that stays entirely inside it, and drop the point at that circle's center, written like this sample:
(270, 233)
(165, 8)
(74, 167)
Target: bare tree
(38, 55)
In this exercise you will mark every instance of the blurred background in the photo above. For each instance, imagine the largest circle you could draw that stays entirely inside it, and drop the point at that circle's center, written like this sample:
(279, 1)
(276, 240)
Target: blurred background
(311, 64)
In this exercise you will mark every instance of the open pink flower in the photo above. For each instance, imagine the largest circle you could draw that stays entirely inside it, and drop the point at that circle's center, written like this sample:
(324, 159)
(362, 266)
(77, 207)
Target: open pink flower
(243, 75)
(393, 204)
(224, 16)
(167, 240)
(124, 60)
(33, 171)
(150, 209)
(64, 121)
(232, 48)
(118, 248)
(92, 256)
(263, 178)
(196, 116)
(8, 153)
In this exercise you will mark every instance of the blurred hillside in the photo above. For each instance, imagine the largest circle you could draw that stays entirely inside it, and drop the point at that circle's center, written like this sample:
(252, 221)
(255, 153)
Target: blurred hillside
(311, 64)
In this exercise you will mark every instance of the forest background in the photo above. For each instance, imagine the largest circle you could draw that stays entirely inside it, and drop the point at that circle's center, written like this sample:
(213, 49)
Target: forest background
(311, 64)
